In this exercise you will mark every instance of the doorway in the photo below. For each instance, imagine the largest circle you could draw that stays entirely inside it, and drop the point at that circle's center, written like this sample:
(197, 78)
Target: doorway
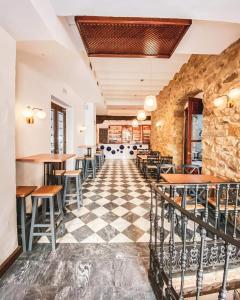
(193, 131)
(58, 129)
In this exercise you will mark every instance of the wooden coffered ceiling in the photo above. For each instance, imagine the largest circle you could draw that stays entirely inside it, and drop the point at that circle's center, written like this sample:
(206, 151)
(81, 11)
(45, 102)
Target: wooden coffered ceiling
(131, 37)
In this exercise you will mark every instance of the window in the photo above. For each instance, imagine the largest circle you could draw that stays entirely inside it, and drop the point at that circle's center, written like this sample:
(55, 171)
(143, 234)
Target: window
(58, 129)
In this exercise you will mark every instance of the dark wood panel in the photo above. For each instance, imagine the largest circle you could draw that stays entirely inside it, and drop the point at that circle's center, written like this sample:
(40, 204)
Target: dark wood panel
(103, 135)
(131, 37)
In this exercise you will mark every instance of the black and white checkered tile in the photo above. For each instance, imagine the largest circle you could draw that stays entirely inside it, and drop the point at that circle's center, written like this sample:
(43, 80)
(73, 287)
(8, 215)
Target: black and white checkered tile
(115, 207)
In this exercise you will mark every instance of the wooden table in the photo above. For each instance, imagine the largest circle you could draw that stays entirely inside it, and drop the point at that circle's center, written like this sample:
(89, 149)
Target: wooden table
(50, 161)
(191, 179)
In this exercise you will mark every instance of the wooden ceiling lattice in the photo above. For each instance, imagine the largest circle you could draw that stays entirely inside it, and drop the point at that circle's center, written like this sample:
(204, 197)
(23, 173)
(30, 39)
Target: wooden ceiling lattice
(131, 37)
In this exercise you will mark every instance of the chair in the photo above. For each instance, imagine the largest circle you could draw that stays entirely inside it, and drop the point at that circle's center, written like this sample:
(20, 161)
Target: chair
(46, 194)
(190, 169)
(166, 160)
(187, 196)
(151, 163)
(165, 169)
(22, 192)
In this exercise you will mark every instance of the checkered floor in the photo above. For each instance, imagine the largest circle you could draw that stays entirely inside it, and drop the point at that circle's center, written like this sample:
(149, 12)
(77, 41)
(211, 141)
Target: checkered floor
(115, 208)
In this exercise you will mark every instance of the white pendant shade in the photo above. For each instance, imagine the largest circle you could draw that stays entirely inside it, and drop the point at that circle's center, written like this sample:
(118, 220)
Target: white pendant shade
(150, 103)
(135, 123)
(141, 115)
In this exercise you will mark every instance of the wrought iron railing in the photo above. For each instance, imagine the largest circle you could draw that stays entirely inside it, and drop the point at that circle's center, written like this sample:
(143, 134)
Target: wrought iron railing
(194, 240)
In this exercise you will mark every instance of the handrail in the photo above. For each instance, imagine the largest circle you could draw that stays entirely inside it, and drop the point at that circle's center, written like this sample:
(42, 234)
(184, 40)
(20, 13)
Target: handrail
(228, 239)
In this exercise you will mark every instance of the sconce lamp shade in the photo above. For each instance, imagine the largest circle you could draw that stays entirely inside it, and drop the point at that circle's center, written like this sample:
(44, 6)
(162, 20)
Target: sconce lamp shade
(28, 112)
(150, 103)
(141, 115)
(41, 114)
(234, 94)
(135, 123)
(82, 128)
(221, 101)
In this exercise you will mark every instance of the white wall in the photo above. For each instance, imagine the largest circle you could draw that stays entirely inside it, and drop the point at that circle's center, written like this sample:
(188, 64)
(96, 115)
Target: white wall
(35, 87)
(8, 226)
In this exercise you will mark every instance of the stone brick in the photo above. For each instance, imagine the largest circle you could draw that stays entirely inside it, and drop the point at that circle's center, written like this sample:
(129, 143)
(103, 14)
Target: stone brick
(214, 75)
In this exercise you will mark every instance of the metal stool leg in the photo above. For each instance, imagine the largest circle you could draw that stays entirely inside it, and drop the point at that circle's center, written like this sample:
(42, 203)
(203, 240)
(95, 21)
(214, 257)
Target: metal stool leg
(94, 168)
(77, 192)
(35, 204)
(65, 191)
(80, 190)
(86, 168)
(52, 222)
(23, 224)
(60, 204)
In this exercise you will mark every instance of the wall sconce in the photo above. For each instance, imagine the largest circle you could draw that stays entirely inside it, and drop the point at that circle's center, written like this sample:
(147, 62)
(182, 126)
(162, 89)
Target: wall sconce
(82, 128)
(228, 100)
(30, 112)
(160, 123)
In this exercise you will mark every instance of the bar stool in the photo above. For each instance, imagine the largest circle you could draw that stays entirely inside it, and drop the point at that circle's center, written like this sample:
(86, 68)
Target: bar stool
(59, 175)
(98, 160)
(76, 174)
(90, 166)
(46, 193)
(22, 192)
(78, 160)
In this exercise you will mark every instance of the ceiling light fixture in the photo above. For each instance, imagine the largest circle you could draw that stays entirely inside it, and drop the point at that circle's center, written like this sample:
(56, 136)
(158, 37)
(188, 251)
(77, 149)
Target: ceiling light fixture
(150, 103)
(141, 115)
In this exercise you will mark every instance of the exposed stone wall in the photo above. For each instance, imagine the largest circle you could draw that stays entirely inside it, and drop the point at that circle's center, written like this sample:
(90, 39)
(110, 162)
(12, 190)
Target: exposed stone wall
(214, 75)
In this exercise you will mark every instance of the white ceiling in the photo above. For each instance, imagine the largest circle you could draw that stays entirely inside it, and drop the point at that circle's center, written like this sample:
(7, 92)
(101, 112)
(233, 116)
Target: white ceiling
(209, 10)
(126, 82)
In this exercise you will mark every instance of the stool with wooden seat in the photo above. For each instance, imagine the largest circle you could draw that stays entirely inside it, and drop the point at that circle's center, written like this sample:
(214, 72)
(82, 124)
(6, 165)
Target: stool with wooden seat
(59, 174)
(90, 166)
(80, 165)
(46, 193)
(98, 160)
(73, 174)
(22, 192)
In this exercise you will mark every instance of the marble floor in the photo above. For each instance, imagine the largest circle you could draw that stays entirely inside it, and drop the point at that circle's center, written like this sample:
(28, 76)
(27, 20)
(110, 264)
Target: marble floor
(103, 254)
